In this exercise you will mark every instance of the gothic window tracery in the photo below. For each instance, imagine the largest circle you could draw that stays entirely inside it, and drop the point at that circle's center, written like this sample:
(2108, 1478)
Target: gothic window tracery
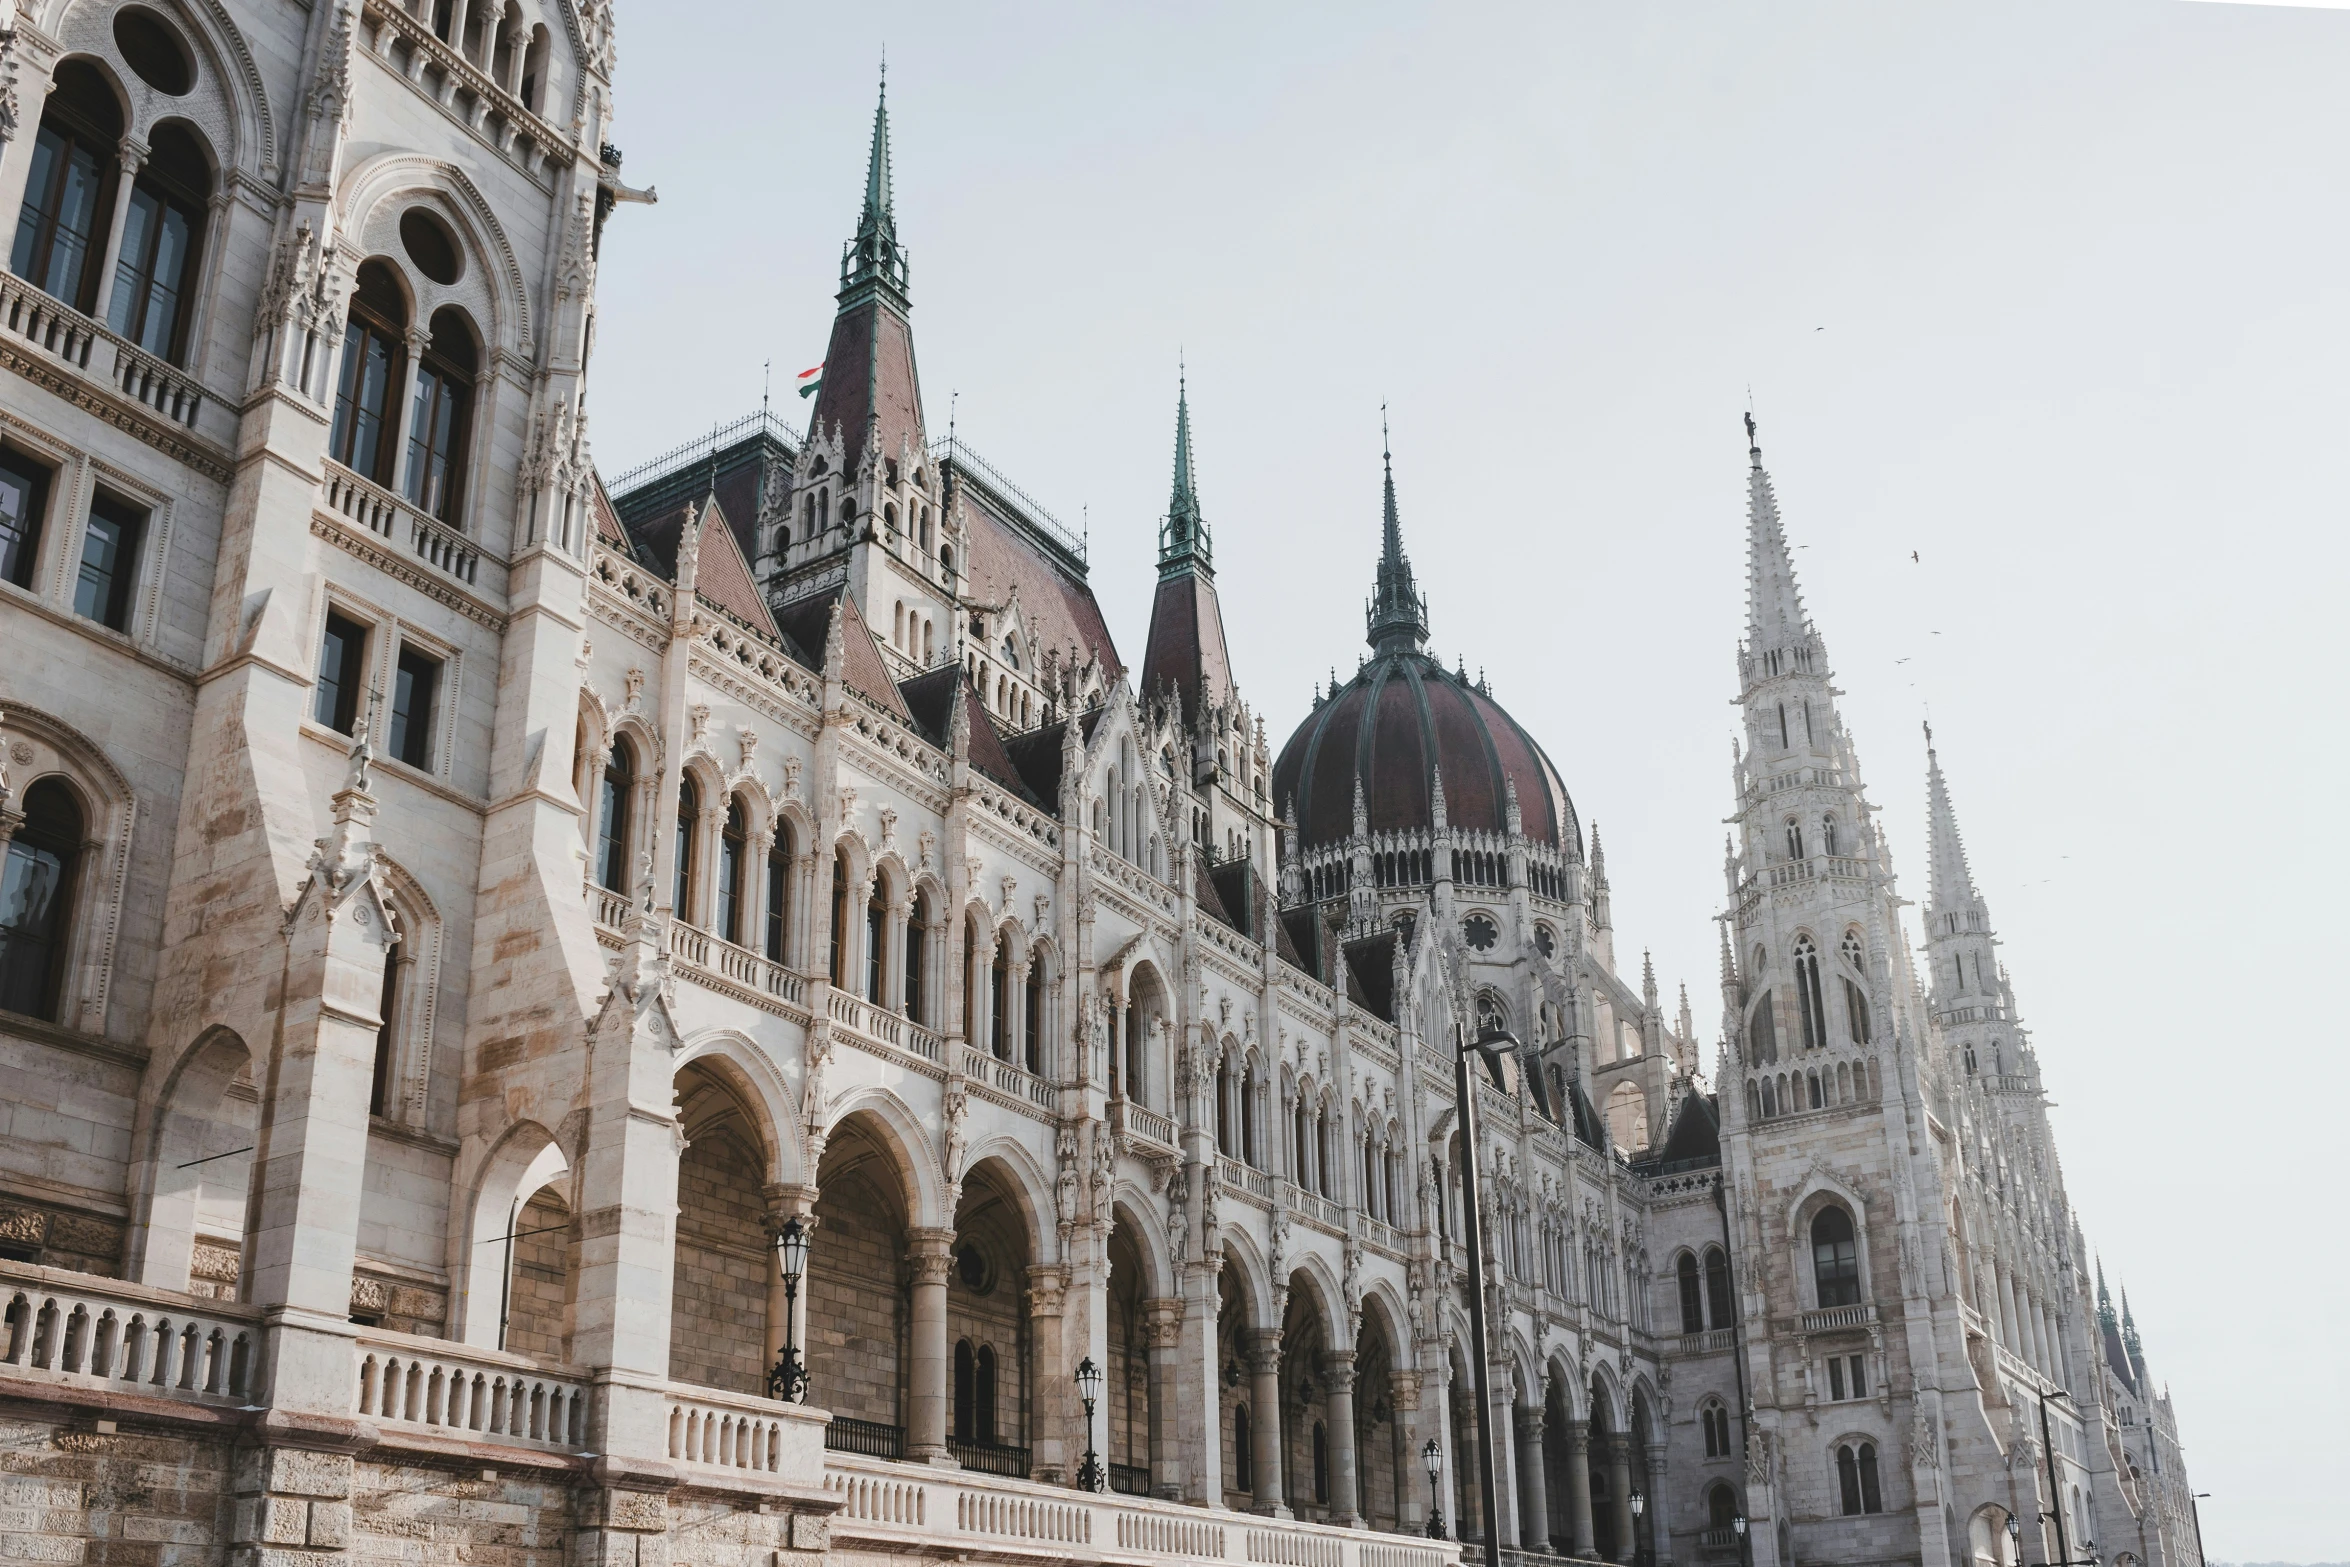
(1808, 996)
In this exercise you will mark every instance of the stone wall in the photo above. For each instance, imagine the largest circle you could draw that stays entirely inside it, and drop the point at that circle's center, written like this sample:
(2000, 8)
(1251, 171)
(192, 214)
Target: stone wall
(856, 1304)
(130, 1498)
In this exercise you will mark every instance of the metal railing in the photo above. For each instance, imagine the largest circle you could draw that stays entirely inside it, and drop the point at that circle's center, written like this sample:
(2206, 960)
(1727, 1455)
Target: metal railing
(868, 1438)
(1130, 1479)
(990, 1458)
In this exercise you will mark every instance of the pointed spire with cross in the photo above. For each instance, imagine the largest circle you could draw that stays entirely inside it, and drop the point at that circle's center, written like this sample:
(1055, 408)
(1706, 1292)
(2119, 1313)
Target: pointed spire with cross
(1398, 616)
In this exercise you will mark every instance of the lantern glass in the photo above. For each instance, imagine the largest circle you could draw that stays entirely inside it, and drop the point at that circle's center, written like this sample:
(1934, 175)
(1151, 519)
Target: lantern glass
(1739, 1523)
(1639, 1503)
(1089, 1379)
(791, 1249)
(1433, 1457)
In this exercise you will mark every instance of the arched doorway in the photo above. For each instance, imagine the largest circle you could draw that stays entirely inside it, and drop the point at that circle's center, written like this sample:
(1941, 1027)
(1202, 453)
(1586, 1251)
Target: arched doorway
(858, 1318)
(990, 1414)
(1385, 1472)
(193, 1237)
(1131, 1423)
(718, 1288)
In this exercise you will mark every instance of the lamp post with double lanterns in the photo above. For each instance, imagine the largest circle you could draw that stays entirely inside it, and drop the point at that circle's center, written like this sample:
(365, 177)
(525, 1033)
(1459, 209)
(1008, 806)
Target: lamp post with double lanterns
(1639, 1501)
(1432, 1456)
(1489, 1043)
(788, 1379)
(1089, 1387)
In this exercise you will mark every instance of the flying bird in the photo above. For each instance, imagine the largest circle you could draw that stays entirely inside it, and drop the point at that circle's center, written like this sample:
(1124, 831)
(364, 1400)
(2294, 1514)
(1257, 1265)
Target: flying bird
(1913, 555)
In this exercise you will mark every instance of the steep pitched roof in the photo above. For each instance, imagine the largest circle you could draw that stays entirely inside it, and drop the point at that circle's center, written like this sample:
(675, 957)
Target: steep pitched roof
(808, 621)
(1058, 602)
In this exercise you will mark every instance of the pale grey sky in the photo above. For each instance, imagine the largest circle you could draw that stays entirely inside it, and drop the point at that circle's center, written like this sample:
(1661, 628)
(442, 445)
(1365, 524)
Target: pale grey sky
(2053, 295)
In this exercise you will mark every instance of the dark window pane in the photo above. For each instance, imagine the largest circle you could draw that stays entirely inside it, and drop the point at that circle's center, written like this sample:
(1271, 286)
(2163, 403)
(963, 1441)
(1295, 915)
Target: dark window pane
(412, 708)
(22, 490)
(612, 823)
(110, 563)
(36, 898)
(340, 669)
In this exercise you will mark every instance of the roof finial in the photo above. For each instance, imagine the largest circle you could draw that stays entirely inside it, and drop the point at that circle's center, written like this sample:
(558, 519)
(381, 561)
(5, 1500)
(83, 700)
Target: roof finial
(1183, 542)
(1398, 615)
(875, 254)
(1753, 443)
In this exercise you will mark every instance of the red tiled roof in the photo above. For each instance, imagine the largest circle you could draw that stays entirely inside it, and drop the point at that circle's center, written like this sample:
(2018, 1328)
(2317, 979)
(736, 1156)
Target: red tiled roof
(1059, 605)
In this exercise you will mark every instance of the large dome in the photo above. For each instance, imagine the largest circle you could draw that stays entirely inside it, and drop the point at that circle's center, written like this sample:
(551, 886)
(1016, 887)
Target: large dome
(1395, 725)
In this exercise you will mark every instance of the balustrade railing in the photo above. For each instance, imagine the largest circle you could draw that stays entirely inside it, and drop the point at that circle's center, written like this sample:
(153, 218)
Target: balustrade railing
(1245, 1178)
(68, 338)
(134, 1340)
(904, 1508)
(1710, 1342)
(1832, 1318)
(480, 1394)
(386, 515)
(611, 907)
(888, 1027)
(726, 1431)
(1141, 1121)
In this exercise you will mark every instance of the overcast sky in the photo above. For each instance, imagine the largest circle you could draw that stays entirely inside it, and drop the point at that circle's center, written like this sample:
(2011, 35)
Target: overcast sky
(2053, 296)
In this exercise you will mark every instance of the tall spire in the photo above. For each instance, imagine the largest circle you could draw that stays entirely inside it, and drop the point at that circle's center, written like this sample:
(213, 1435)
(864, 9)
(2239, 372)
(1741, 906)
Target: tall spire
(1953, 883)
(1183, 542)
(1775, 617)
(875, 257)
(1398, 616)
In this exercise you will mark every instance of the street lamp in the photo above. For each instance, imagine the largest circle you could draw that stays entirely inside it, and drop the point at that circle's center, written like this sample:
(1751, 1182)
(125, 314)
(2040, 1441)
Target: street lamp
(1738, 1522)
(1489, 1043)
(2064, 1552)
(2192, 1498)
(1639, 1500)
(1432, 1457)
(788, 1379)
(1089, 1387)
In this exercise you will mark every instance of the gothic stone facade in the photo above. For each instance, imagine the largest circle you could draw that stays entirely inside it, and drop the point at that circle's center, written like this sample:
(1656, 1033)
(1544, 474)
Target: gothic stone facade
(457, 914)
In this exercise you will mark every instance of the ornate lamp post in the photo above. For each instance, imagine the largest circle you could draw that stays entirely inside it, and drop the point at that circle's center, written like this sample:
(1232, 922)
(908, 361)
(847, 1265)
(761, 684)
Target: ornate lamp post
(1089, 1387)
(788, 1379)
(1738, 1522)
(1639, 1500)
(1432, 1456)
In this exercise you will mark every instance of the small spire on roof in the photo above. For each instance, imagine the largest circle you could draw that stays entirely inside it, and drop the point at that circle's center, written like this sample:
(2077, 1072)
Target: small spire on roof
(1398, 616)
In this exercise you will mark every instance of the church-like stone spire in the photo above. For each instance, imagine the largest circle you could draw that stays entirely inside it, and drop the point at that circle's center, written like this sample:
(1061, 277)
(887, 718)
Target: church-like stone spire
(1183, 541)
(1775, 618)
(1398, 616)
(875, 258)
(1953, 884)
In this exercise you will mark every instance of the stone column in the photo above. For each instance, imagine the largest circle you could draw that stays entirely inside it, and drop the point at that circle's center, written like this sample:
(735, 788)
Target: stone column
(1579, 1488)
(1619, 1484)
(1264, 1420)
(419, 338)
(800, 923)
(1660, 1533)
(132, 158)
(1503, 1418)
(1195, 1382)
(893, 968)
(931, 1254)
(1058, 1442)
(1162, 1325)
(1016, 1013)
(1338, 1373)
(1533, 1484)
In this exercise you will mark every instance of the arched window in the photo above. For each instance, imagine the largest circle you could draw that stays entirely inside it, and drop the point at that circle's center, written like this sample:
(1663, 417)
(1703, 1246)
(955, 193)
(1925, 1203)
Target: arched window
(374, 366)
(69, 193)
(1717, 1288)
(917, 1003)
(1855, 956)
(162, 231)
(1763, 1037)
(1856, 1478)
(36, 901)
(1856, 1012)
(1692, 1295)
(387, 1034)
(840, 921)
(1721, 1503)
(1794, 839)
(966, 1389)
(612, 806)
(689, 815)
(532, 89)
(1244, 1458)
(1321, 1464)
(1782, 726)
(1032, 1015)
(778, 891)
(1828, 834)
(1835, 1258)
(440, 421)
(732, 846)
(876, 933)
(983, 1395)
(1807, 994)
(999, 977)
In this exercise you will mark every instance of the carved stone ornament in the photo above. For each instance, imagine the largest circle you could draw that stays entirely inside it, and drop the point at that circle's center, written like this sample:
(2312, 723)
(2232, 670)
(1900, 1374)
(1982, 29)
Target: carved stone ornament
(926, 847)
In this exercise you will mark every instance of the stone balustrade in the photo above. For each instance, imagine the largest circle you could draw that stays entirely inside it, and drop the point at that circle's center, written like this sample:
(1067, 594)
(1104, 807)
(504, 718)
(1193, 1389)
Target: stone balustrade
(478, 1395)
(61, 1327)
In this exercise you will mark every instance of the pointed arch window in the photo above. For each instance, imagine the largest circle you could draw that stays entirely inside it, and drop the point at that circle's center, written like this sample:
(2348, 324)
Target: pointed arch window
(689, 815)
(1835, 1258)
(1828, 833)
(59, 232)
(999, 976)
(876, 938)
(1717, 1288)
(1856, 1012)
(917, 927)
(1856, 1478)
(1808, 996)
(1244, 1457)
(375, 357)
(733, 851)
(618, 791)
(1794, 839)
(440, 420)
(387, 1034)
(778, 893)
(162, 231)
(36, 900)
(1782, 724)
(1692, 1296)
(1763, 1037)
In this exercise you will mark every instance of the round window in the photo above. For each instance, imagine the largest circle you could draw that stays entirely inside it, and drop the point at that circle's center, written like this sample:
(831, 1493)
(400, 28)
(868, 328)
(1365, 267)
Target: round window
(1479, 931)
(431, 246)
(153, 50)
(1544, 942)
(971, 1267)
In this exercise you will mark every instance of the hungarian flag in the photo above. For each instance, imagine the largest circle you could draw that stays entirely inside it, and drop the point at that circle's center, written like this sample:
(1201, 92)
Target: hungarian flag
(810, 380)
